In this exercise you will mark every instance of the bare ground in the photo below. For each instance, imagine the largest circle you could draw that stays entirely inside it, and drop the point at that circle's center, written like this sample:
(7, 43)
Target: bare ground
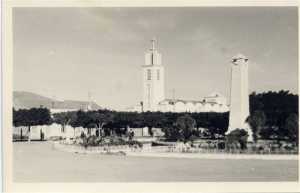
(40, 162)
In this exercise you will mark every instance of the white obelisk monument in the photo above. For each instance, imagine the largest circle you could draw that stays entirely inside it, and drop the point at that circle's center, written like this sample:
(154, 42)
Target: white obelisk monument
(239, 96)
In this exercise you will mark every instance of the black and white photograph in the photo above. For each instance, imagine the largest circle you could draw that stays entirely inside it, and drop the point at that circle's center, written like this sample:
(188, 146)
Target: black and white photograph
(154, 94)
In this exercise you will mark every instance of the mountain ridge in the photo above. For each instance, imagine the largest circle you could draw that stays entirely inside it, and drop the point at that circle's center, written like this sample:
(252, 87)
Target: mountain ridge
(26, 100)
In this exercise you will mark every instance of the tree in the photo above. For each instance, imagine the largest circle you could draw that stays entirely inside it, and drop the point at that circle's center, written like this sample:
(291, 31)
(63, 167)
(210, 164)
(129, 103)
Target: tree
(172, 133)
(31, 117)
(100, 118)
(64, 119)
(237, 138)
(292, 125)
(93, 119)
(256, 122)
(201, 121)
(186, 124)
(268, 133)
(277, 106)
(152, 119)
(82, 120)
(123, 120)
(218, 124)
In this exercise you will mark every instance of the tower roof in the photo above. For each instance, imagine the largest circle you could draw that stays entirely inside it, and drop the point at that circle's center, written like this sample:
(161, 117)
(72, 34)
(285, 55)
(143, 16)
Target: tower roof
(239, 57)
(153, 41)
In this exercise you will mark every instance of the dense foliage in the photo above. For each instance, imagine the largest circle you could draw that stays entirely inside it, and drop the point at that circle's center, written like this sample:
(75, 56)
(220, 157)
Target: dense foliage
(273, 115)
(31, 117)
(106, 141)
(256, 121)
(237, 139)
(183, 129)
(277, 107)
(65, 118)
(113, 122)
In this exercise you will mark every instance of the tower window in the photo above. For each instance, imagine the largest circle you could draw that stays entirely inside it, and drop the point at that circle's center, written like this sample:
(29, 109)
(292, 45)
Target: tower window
(158, 75)
(148, 74)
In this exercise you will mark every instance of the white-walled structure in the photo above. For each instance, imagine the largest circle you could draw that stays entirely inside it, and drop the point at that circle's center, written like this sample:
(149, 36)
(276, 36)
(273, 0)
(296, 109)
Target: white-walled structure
(216, 103)
(239, 97)
(53, 130)
(154, 94)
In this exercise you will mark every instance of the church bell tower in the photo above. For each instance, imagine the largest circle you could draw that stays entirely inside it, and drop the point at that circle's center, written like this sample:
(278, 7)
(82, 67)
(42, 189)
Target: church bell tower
(153, 79)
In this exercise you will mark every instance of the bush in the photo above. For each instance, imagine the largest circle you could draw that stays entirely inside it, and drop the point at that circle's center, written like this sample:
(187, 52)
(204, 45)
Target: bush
(110, 141)
(133, 143)
(221, 145)
(237, 139)
(93, 140)
(89, 141)
(288, 147)
(115, 141)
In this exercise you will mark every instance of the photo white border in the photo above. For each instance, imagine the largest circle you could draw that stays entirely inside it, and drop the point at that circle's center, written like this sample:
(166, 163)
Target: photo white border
(7, 65)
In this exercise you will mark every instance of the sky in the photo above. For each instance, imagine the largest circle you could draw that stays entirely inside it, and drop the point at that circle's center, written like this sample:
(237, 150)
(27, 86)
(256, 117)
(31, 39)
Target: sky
(65, 53)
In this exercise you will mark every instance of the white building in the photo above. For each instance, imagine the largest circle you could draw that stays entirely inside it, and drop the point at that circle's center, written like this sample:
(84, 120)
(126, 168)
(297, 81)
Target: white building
(216, 103)
(154, 94)
(52, 111)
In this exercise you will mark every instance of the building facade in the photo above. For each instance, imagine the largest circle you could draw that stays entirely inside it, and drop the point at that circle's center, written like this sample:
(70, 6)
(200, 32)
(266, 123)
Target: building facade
(154, 94)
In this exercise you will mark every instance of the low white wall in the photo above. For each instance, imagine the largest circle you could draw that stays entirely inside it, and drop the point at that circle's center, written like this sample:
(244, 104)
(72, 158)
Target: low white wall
(53, 130)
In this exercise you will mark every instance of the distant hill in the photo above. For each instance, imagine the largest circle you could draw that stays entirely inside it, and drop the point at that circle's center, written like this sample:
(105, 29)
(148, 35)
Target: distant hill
(26, 100)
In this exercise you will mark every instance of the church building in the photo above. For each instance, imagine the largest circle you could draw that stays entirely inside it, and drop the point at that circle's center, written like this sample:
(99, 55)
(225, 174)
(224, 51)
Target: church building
(154, 91)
